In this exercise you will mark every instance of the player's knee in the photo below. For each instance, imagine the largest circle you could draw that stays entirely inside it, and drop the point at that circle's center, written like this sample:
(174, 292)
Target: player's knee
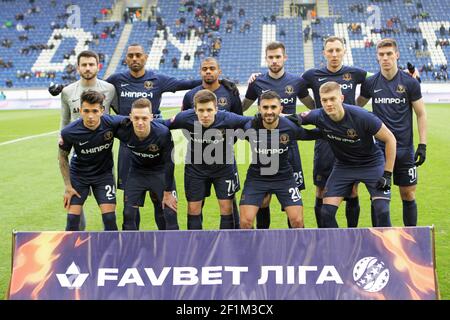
(381, 215)
(407, 194)
(246, 223)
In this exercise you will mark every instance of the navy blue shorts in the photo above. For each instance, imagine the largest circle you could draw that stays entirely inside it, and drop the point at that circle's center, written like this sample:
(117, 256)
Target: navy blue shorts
(405, 171)
(139, 182)
(285, 190)
(123, 166)
(342, 179)
(323, 163)
(102, 186)
(197, 186)
(296, 163)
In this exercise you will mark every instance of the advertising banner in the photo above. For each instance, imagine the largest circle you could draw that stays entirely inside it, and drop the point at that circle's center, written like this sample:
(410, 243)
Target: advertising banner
(293, 264)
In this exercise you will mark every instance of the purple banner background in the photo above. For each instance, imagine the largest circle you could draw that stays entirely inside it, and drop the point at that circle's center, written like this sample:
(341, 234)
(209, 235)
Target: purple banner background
(400, 260)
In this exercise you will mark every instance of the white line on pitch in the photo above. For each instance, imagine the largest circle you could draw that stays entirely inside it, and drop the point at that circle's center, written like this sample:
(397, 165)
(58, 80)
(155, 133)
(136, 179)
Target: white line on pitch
(28, 138)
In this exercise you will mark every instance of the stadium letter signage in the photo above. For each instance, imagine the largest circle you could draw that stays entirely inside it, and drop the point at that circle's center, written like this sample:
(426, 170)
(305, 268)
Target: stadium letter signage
(366, 263)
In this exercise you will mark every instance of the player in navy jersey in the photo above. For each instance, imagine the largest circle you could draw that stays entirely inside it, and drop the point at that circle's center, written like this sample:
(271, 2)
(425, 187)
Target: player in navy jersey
(348, 77)
(395, 95)
(289, 88)
(226, 100)
(210, 72)
(210, 157)
(350, 130)
(271, 171)
(92, 139)
(140, 83)
(151, 167)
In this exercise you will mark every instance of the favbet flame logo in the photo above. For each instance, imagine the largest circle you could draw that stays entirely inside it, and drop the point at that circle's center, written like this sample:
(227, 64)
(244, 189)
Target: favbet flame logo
(73, 278)
(371, 274)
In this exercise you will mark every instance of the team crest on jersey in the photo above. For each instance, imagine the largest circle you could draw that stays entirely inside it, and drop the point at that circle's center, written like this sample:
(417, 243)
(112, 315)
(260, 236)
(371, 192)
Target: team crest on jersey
(148, 85)
(289, 90)
(284, 138)
(351, 133)
(347, 77)
(153, 148)
(108, 135)
(401, 89)
(222, 101)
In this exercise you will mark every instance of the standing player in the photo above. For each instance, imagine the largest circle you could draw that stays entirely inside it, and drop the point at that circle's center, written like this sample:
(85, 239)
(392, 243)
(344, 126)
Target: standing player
(289, 87)
(87, 67)
(350, 130)
(271, 171)
(152, 166)
(226, 99)
(91, 166)
(210, 157)
(348, 78)
(394, 96)
(140, 83)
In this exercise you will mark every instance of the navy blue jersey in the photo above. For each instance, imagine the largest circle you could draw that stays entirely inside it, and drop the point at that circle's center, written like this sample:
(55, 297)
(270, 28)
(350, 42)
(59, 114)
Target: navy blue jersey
(274, 145)
(392, 103)
(348, 77)
(154, 153)
(289, 87)
(215, 136)
(225, 100)
(151, 86)
(351, 139)
(92, 148)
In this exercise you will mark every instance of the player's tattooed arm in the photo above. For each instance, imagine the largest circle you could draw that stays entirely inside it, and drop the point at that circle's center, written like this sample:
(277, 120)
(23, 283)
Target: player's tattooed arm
(69, 192)
(361, 101)
(246, 103)
(308, 101)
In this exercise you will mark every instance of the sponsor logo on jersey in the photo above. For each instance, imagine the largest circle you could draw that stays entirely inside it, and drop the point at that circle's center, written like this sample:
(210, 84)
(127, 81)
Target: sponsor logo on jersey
(148, 85)
(351, 133)
(153, 148)
(289, 90)
(347, 77)
(390, 100)
(284, 138)
(321, 79)
(401, 88)
(83, 143)
(108, 135)
(96, 149)
(264, 91)
(222, 101)
(133, 94)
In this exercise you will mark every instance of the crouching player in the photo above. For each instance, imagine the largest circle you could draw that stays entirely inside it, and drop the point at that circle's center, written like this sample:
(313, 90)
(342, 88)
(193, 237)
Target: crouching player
(350, 131)
(92, 138)
(150, 144)
(270, 171)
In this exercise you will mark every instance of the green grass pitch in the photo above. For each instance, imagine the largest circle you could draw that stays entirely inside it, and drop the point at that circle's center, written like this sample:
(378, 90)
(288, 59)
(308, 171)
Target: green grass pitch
(31, 187)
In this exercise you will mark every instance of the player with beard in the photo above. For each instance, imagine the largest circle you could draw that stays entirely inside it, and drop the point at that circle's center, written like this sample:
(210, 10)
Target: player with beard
(87, 67)
(271, 171)
(289, 87)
